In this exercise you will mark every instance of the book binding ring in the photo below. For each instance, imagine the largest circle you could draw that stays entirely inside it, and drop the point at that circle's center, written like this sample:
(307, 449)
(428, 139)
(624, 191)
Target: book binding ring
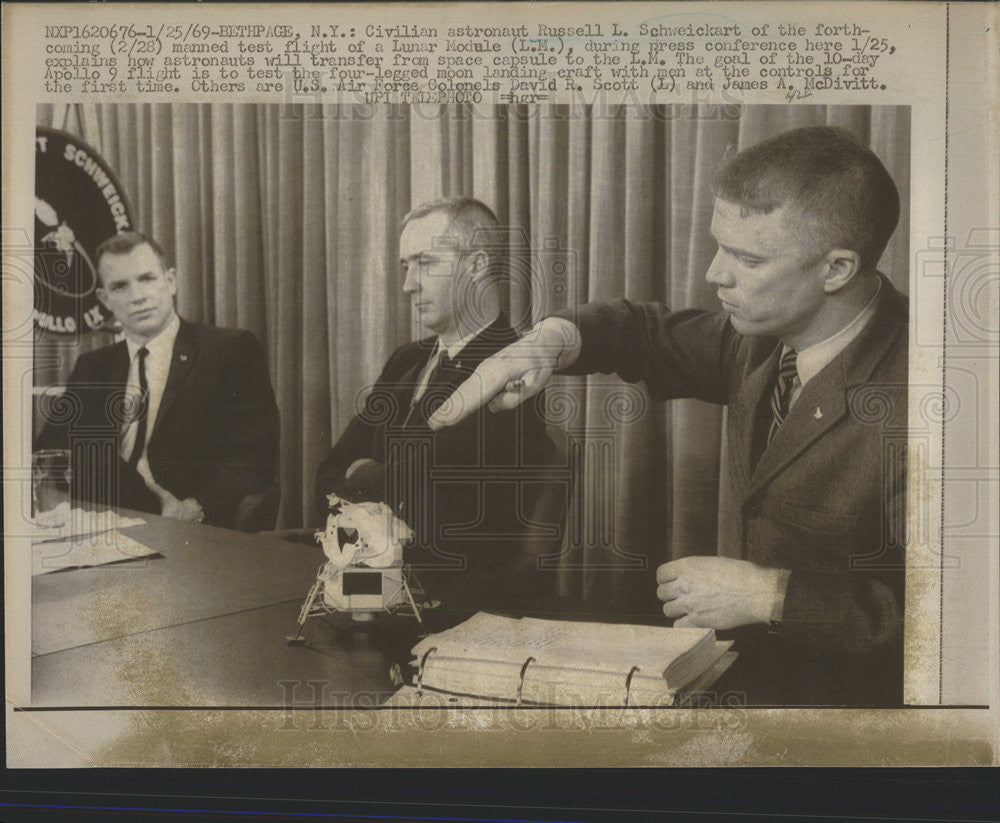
(628, 684)
(420, 672)
(520, 683)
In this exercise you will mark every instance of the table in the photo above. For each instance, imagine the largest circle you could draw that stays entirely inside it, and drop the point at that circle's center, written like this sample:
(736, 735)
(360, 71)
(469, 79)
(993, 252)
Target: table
(204, 623)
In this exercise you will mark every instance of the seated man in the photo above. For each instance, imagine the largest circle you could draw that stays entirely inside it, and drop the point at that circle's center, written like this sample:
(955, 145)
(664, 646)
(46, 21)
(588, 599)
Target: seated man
(809, 353)
(466, 491)
(178, 418)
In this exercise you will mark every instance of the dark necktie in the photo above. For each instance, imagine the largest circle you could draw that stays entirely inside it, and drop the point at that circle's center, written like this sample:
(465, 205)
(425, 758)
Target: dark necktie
(444, 364)
(433, 395)
(782, 393)
(141, 410)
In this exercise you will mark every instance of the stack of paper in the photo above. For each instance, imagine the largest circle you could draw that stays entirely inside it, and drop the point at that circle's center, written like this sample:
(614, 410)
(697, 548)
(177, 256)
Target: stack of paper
(76, 522)
(87, 538)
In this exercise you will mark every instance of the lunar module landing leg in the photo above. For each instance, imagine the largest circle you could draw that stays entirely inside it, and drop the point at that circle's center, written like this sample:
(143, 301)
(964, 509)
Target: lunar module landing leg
(363, 590)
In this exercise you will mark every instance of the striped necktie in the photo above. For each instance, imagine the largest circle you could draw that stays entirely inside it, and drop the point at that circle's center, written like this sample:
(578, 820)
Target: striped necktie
(782, 392)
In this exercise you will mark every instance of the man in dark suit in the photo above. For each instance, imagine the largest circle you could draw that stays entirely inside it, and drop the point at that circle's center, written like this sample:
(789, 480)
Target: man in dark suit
(468, 491)
(810, 356)
(178, 418)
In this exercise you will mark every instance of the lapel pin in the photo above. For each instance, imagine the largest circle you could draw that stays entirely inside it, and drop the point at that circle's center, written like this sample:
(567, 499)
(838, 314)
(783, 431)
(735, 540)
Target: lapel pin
(818, 413)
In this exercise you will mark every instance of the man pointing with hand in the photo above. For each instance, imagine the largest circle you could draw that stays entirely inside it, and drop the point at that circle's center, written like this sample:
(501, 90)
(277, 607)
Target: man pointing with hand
(809, 335)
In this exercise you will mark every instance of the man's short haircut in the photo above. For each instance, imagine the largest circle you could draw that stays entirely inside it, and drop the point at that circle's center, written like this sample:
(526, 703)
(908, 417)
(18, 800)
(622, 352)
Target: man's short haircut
(123, 243)
(472, 226)
(837, 186)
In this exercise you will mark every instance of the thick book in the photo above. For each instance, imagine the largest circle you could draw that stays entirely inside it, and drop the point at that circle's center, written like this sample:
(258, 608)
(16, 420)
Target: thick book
(565, 663)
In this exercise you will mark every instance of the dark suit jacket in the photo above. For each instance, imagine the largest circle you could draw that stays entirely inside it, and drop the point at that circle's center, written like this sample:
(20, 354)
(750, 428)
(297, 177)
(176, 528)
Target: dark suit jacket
(215, 437)
(826, 499)
(469, 491)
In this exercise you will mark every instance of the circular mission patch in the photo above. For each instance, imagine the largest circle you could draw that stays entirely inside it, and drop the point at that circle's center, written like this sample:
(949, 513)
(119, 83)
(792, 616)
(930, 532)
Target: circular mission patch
(79, 203)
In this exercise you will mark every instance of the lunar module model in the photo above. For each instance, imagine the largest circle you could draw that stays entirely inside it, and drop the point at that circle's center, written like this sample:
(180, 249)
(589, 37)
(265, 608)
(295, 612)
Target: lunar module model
(364, 571)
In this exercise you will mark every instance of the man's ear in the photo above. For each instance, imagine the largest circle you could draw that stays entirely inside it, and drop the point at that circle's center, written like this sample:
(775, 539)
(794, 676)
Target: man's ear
(170, 275)
(102, 295)
(480, 264)
(841, 266)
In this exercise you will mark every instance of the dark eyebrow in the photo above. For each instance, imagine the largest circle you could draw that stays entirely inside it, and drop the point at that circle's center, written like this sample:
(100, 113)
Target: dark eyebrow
(426, 255)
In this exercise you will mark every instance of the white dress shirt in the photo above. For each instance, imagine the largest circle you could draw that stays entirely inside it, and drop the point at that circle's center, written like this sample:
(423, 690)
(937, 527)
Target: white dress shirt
(161, 353)
(812, 360)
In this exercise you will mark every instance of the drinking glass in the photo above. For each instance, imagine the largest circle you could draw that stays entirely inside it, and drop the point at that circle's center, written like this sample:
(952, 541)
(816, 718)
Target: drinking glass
(50, 481)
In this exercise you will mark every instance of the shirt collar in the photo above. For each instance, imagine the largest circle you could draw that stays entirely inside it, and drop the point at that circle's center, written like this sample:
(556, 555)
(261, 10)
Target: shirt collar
(163, 341)
(812, 360)
(455, 349)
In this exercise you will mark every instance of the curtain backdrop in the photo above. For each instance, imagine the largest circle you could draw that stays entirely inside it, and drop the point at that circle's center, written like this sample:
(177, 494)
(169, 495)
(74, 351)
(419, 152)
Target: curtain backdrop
(284, 219)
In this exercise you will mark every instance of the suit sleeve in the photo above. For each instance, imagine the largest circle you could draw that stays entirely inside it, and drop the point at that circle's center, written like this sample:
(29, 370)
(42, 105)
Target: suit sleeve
(357, 442)
(677, 354)
(250, 457)
(86, 402)
(852, 616)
